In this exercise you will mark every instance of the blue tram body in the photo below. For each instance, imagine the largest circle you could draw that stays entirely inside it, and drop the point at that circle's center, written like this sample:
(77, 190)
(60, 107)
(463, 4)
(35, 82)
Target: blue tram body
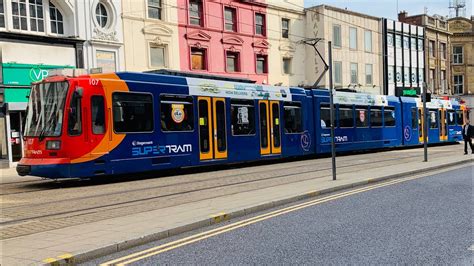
(156, 122)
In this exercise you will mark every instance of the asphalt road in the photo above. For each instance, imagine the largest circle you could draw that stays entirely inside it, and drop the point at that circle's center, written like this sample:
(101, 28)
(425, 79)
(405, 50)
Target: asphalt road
(423, 221)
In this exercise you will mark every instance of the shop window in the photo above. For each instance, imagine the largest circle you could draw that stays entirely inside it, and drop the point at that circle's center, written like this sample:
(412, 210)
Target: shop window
(346, 116)
(242, 117)
(293, 117)
(376, 117)
(154, 9)
(260, 24)
(56, 19)
(230, 19)
(389, 116)
(132, 112)
(362, 118)
(176, 113)
(198, 59)
(195, 12)
(98, 114)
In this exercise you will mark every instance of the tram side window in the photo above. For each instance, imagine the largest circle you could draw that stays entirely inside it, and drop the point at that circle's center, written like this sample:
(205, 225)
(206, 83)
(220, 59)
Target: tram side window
(389, 116)
(75, 124)
(98, 114)
(132, 112)
(346, 116)
(293, 117)
(451, 118)
(325, 113)
(460, 117)
(362, 118)
(177, 113)
(414, 121)
(375, 117)
(433, 118)
(243, 117)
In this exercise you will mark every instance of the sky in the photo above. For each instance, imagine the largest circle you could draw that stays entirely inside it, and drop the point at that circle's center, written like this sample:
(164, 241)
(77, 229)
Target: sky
(388, 8)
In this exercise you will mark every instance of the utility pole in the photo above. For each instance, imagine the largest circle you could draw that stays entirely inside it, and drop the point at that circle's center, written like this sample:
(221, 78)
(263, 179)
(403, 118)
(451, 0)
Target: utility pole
(425, 124)
(313, 42)
(331, 107)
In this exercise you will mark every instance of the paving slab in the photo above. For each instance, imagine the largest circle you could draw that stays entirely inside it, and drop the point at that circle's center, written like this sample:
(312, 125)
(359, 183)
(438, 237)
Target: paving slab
(97, 238)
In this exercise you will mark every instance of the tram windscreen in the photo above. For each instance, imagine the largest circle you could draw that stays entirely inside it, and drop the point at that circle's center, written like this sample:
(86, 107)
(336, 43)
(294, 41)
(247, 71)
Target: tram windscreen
(44, 116)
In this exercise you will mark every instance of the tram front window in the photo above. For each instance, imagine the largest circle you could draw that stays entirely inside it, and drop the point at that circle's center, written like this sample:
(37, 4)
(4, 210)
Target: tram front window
(44, 116)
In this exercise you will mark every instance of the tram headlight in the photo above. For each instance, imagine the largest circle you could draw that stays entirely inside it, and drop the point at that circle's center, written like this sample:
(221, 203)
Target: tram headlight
(53, 144)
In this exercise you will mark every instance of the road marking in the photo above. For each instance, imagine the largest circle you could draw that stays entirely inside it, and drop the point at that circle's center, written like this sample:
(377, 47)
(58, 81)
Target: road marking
(471, 248)
(220, 217)
(217, 231)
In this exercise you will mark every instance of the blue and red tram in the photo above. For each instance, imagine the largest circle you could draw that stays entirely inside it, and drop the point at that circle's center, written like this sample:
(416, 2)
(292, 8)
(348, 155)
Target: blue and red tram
(106, 124)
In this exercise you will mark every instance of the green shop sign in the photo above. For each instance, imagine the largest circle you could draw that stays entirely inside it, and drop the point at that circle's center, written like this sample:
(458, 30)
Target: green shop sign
(25, 74)
(22, 75)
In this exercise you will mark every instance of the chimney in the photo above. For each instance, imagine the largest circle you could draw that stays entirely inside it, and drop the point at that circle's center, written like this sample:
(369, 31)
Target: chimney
(402, 16)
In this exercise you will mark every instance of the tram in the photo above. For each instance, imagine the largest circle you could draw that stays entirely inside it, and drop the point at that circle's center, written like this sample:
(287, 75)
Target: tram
(81, 126)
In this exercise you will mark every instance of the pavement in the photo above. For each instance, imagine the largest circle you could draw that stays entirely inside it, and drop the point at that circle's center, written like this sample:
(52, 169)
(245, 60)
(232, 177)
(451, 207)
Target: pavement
(88, 240)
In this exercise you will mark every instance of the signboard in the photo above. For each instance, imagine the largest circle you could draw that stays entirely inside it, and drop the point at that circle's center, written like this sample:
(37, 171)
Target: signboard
(407, 92)
(25, 74)
(105, 60)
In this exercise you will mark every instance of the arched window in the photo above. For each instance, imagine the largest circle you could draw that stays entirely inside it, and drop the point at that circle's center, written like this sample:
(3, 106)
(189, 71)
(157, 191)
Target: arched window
(57, 23)
(101, 15)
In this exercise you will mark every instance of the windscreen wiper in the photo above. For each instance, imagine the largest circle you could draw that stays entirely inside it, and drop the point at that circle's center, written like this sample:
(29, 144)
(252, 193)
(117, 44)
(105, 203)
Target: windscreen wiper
(41, 135)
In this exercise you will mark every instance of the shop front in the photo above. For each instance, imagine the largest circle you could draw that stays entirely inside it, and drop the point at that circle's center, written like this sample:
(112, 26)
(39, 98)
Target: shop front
(17, 79)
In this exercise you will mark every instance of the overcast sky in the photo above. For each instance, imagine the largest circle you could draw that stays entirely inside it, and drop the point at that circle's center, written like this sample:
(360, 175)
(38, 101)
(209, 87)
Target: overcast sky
(388, 8)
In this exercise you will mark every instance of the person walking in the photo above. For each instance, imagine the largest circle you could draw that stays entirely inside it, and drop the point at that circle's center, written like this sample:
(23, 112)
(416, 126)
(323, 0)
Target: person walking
(467, 134)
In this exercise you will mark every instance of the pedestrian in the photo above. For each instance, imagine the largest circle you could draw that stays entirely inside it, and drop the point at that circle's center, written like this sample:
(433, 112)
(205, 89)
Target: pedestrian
(467, 134)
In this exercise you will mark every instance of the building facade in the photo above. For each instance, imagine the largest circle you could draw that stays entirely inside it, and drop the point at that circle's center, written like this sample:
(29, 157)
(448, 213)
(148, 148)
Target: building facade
(224, 37)
(462, 58)
(286, 53)
(404, 65)
(40, 35)
(437, 55)
(151, 39)
(357, 49)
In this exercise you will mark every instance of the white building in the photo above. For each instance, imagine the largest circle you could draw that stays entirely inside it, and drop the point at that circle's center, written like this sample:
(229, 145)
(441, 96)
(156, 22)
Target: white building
(286, 54)
(39, 35)
(357, 48)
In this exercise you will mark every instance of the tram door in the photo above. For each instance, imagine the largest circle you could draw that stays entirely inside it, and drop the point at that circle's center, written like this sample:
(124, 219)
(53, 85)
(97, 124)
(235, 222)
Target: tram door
(421, 125)
(212, 128)
(443, 120)
(270, 132)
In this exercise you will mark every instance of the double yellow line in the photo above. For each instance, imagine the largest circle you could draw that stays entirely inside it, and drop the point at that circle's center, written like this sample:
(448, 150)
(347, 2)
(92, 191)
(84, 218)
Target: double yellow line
(197, 237)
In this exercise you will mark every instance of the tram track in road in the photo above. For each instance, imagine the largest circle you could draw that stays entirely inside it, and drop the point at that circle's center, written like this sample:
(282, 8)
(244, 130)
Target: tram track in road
(46, 184)
(137, 205)
(72, 183)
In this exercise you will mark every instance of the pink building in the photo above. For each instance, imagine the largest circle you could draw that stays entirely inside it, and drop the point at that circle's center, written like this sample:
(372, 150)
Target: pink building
(224, 37)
